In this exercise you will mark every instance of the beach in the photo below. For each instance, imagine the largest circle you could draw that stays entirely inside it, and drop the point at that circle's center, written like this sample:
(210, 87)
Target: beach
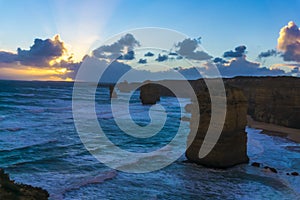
(275, 130)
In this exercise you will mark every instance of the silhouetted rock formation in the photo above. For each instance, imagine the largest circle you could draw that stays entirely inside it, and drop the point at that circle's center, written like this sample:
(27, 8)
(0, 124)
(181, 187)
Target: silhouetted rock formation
(274, 100)
(295, 174)
(231, 148)
(11, 190)
(149, 93)
(255, 164)
(271, 169)
(112, 93)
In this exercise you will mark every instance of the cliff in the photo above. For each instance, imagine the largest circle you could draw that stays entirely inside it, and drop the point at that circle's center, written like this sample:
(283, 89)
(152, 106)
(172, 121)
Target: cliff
(11, 190)
(274, 100)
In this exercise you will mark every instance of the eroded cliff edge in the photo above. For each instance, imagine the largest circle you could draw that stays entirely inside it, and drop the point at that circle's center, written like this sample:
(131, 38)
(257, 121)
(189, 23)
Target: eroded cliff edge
(274, 100)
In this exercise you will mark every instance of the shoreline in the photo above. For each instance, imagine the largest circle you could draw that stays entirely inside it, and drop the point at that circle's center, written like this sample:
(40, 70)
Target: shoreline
(275, 130)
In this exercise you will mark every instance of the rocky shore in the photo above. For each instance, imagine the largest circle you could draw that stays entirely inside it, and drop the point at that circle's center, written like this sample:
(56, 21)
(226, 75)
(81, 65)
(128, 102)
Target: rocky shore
(274, 101)
(9, 189)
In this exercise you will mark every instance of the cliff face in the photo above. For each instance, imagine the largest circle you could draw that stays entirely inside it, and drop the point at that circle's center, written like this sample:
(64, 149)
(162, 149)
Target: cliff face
(274, 100)
(231, 148)
(11, 190)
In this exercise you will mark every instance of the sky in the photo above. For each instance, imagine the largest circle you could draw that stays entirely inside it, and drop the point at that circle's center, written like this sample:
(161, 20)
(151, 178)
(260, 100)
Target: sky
(67, 30)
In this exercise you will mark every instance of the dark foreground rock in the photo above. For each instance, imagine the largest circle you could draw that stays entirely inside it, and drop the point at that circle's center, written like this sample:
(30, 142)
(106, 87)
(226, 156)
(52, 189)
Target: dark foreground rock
(231, 148)
(11, 190)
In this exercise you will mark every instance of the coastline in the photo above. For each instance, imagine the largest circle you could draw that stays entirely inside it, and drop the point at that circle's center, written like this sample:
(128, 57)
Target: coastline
(275, 130)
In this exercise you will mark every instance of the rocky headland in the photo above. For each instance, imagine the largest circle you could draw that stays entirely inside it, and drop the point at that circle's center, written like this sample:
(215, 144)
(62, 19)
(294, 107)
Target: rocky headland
(11, 190)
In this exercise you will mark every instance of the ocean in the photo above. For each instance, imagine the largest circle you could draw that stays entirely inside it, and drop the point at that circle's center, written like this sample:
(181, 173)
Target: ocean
(39, 145)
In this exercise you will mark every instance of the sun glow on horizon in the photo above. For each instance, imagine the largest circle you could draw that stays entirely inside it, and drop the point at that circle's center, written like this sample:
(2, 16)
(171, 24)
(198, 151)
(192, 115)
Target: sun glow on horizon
(35, 73)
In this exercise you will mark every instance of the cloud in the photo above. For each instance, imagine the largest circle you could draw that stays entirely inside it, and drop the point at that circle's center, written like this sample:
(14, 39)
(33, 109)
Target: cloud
(128, 56)
(289, 42)
(220, 60)
(161, 58)
(149, 54)
(42, 52)
(7, 57)
(295, 70)
(122, 49)
(265, 54)
(240, 66)
(142, 61)
(45, 58)
(238, 52)
(188, 49)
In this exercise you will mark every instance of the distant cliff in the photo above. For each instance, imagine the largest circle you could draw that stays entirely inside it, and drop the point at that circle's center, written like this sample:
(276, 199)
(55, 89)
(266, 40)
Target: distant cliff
(274, 100)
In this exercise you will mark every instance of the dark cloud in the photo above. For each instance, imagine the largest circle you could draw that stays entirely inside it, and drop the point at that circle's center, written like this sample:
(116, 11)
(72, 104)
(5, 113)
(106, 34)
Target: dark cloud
(117, 49)
(295, 70)
(7, 57)
(39, 54)
(142, 61)
(238, 52)
(161, 58)
(265, 54)
(188, 49)
(128, 56)
(242, 67)
(289, 42)
(149, 54)
(220, 60)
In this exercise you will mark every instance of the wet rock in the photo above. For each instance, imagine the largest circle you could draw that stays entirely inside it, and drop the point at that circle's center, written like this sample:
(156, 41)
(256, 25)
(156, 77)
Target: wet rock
(295, 174)
(255, 164)
(271, 169)
(11, 190)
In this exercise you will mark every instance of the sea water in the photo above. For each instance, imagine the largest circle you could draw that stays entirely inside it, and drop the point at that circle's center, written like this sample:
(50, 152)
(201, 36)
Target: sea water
(39, 145)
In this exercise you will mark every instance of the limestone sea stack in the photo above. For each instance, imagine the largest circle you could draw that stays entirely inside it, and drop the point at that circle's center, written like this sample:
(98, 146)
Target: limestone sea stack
(231, 148)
